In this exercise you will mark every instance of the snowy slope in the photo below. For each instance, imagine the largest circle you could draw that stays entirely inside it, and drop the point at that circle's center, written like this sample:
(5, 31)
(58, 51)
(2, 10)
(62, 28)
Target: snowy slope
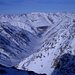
(14, 71)
(37, 41)
(15, 44)
(58, 40)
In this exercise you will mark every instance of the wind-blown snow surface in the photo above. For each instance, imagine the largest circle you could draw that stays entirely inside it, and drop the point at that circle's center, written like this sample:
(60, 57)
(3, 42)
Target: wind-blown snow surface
(36, 40)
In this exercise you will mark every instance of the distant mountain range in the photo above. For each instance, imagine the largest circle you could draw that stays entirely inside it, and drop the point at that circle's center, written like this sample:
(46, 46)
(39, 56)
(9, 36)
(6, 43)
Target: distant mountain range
(38, 42)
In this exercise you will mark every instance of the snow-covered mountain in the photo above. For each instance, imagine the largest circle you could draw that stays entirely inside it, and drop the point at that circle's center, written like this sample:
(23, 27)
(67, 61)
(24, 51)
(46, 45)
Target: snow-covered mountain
(15, 44)
(13, 71)
(38, 41)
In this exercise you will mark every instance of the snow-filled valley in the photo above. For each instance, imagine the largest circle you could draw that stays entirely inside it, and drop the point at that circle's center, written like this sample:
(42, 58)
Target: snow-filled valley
(39, 42)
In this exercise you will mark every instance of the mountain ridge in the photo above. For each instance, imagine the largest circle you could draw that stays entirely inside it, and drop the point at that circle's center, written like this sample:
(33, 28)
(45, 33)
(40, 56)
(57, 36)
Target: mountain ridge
(45, 37)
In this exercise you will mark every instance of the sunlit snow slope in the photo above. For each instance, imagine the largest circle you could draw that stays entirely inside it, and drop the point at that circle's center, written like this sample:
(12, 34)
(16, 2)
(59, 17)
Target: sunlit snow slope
(38, 41)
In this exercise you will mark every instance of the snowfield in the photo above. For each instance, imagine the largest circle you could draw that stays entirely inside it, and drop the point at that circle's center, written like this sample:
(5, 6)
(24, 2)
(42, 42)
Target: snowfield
(39, 42)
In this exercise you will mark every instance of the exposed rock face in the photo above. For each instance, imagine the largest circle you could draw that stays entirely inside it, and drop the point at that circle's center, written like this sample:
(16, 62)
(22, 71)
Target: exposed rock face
(65, 66)
(38, 42)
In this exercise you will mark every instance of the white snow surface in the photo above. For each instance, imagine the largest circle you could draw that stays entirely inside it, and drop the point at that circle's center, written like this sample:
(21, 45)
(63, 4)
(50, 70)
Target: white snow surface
(53, 35)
